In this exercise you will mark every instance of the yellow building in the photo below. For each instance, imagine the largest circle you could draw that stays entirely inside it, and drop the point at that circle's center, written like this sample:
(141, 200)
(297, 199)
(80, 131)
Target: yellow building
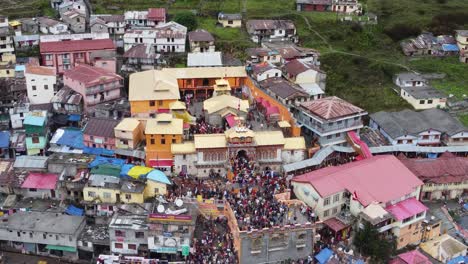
(161, 133)
(230, 20)
(156, 184)
(128, 133)
(132, 192)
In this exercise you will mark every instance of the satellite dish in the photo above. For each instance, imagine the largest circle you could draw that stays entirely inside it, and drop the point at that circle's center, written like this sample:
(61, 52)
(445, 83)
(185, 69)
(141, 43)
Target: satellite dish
(160, 208)
(179, 202)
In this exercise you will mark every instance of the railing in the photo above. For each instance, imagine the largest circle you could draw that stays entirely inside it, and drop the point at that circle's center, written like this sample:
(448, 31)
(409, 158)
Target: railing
(326, 128)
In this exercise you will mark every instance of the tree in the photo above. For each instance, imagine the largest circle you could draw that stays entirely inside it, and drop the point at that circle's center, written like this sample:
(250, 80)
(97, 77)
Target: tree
(187, 19)
(369, 242)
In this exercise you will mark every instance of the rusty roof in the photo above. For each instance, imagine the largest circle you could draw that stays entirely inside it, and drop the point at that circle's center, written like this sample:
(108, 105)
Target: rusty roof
(158, 14)
(296, 67)
(90, 75)
(39, 70)
(100, 127)
(200, 35)
(331, 108)
(270, 24)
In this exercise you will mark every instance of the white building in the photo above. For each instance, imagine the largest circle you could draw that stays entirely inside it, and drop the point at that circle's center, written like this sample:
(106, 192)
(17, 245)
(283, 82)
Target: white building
(133, 37)
(18, 114)
(263, 71)
(6, 39)
(50, 26)
(40, 83)
(417, 91)
(171, 37)
(113, 24)
(150, 18)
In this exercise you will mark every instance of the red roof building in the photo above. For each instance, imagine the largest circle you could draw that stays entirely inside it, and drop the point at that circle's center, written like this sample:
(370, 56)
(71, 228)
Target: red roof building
(411, 257)
(158, 15)
(41, 181)
(63, 55)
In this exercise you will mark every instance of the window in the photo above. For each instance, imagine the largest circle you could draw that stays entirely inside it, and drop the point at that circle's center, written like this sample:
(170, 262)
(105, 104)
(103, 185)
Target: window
(65, 56)
(174, 141)
(400, 141)
(35, 140)
(118, 245)
(163, 141)
(406, 220)
(422, 101)
(160, 103)
(128, 196)
(335, 210)
(326, 201)
(132, 246)
(34, 88)
(44, 236)
(329, 137)
(152, 141)
(119, 233)
(32, 189)
(92, 194)
(30, 235)
(338, 135)
(429, 101)
(419, 215)
(152, 103)
(336, 198)
(326, 213)
(425, 137)
(139, 235)
(46, 87)
(106, 195)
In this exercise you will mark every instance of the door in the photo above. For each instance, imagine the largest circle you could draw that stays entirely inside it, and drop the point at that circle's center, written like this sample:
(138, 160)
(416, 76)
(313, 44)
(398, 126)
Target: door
(117, 197)
(52, 193)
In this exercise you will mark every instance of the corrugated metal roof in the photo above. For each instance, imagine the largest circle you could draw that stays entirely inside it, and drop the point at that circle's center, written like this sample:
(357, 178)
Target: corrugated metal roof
(43, 181)
(204, 59)
(37, 162)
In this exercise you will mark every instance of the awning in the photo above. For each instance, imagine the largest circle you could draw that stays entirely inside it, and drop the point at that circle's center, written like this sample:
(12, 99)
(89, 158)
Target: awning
(166, 111)
(324, 255)
(335, 224)
(161, 163)
(159, 176)
(62, 248)
(72, 210)
(74, 117)
(272, 110)
(230, 119)
(284, 124)
(406, 208)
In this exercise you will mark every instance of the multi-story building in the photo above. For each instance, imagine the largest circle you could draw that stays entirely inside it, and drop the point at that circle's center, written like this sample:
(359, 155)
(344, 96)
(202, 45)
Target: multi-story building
(327, 120)
(96, 85)
(362, 189)
(43, 233)
(444, 178)
(102, 189)
(128, 230)
(128, 133)
(150, 18)
(40, 83)
(346, 6)
(462, 42)
(112, 24)
(161, 133)
(417, 91)
(99, 133)
(307, 75)
(75, 20)
(170, 37)
(133, 37)
(17, 114)
(37, 131)
(67, 101)
(271, 30)
(429, 127)
(6, 39)
(201, 40)
(65, 54)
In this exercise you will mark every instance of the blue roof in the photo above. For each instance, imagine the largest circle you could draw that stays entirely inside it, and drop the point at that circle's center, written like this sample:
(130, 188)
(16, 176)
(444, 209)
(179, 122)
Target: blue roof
(4, 139)
(34, 120)
(450, 47)
(459, 259)
(74, 117)
(72, 138)
(465, 206)
(72, 210)
(360, 261)
(98, 151)
(125, 169)
(159, 176)
(324, 255)
(103, 160)
(20, 68)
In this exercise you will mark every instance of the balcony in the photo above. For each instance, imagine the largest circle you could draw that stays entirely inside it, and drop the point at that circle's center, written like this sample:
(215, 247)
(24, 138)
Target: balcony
(322, 129)
(98, 89)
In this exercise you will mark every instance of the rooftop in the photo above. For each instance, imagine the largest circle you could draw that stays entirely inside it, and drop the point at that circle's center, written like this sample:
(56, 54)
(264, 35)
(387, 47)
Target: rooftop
(164, 124)
(205, 59)
(368, 179)
(423, 92)
(90, 75)
(183, 148)
(224, 16)
(76, 45)
(100, 127)
(46, 222)
(216, 103)
(157, 14)
(331, 108)
(408, 122)
(141, 51)
(42, 181)
(282, 88)
(298, 66)
(35, 162)
(39, 70)
(200, 35)
(128, 124)
(270, 24)
(445, 242)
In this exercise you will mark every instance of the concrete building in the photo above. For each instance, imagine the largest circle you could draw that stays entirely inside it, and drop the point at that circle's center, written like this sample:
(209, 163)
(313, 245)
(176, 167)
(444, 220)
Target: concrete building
(346, 6)
(102, 189)
(429, 127)
(416, 90)
(99, 133)
(327, 120)
(230, 20)
(37, 130)
(271, 30)
(362, 189)
(40, 83)
(112, 24)
(6, 39)
(75, 20)
(39, 185)
(170, 37)
(128, 133)
(43, 233)
(17, 115)
(462, 42)
(305, 74)
(96, 85)
(128, 232)
(445, 178)
(201, 40)
(50, 26)
(151, 18)
(444, 248)
(263, 71)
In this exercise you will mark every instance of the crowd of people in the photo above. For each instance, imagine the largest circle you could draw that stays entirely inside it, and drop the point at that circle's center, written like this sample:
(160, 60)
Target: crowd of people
(190, 187)
(202, 127)
(214, 244)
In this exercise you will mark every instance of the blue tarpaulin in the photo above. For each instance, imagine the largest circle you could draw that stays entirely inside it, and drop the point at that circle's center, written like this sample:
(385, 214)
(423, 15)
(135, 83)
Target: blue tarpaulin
(159, 176)
(74, 117)
(432, 155)
(360, 261)
(72, 210)
(4, 139)
(103, 160)
(125, 169)
(459, 259)
(465, 206)
(98, 151)
(72, 138)
(324, 255)
(450, 47)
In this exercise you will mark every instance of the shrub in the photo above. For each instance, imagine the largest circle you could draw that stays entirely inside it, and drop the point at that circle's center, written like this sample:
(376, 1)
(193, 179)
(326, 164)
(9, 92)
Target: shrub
(187, 19)
(402, 31)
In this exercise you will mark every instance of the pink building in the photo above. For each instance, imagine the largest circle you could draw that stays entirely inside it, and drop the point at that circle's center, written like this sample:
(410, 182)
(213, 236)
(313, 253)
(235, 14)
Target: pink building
(65, 54)
(96, 85)
(99, 133)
